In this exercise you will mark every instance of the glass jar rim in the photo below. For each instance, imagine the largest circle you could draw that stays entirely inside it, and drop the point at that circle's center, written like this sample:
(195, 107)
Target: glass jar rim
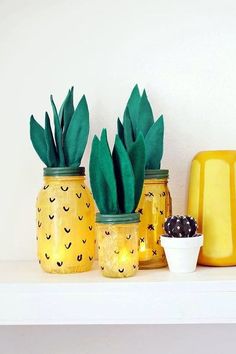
(156, 174)
(64, 171)
(130, 218)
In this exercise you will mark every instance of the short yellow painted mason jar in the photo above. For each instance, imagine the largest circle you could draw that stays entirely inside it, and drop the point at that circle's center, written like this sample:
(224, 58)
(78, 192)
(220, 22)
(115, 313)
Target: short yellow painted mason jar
(212, 202)
(117, 237)
(65, 221)
(155, 205)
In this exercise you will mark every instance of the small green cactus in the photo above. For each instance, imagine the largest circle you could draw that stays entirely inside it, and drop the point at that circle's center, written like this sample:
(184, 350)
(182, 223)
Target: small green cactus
(180, 226)
(66, 147)
(138, 117)
(116, 178)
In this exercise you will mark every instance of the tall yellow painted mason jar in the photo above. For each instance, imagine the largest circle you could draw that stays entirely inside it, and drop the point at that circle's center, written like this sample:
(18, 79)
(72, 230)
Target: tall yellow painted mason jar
(65, 221)
(117, 237)
(155, 205)
(212, 201)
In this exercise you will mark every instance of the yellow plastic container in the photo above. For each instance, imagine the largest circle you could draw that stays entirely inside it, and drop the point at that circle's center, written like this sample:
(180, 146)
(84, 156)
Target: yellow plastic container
(154, 206)
(117, 237)
(212, 201)
(65, 222)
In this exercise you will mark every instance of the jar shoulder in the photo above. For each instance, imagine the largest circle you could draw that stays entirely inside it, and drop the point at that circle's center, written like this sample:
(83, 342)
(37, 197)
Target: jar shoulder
(63, 189)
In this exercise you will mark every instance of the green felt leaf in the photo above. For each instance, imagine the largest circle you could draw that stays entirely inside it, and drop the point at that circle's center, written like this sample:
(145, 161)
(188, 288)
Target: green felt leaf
(51, 148)
(133, 105)
(107, 167)
(145, 115)
(38, 139)
(66, 111)
(61, 113)
(154, 144)
(61, 110)
(128, 130)
(97, 181)
(58, 134)
(77, 134)
(124, 177)
(120, 130)
(137, 158)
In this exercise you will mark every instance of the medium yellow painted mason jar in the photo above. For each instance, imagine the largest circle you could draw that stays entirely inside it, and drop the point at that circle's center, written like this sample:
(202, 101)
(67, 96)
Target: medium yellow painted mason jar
(155, 205)
(117, 237)
(65, 221)
(212, 202)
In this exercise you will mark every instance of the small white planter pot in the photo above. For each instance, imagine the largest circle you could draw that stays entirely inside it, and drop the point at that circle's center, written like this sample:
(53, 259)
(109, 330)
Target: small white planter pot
(182, 252)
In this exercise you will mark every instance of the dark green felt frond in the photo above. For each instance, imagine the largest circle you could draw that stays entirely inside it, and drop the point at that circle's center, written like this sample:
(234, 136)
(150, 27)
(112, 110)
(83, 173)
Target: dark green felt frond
(124, 177)
(116, 180)
(77, 134)
(137, 158)
(58, 134)
(133, 106)
(145, 115)
(51, 148)
(97, 180)
(138, 117)
(154, 144)
(120, 130)
(128, 130)
(106, 165)
(66, 111)
(66, 147)
(99, 172)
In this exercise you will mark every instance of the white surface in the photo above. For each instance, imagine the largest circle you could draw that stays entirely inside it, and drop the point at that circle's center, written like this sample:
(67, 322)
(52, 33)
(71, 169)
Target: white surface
(183, 52)
(29, 296)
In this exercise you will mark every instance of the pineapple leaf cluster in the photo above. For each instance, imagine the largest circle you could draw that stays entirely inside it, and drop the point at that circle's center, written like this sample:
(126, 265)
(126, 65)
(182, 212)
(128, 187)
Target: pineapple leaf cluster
(138, 117)
(116, 177)
(64, 147)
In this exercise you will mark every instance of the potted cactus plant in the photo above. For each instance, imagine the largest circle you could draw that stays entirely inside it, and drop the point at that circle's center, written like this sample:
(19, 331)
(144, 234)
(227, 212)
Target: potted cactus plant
(155, 202)
(182, 243)
(116, 180)
(65, 208)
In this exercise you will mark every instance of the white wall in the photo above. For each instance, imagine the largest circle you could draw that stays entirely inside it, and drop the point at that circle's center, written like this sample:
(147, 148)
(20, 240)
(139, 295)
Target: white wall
(182, 52)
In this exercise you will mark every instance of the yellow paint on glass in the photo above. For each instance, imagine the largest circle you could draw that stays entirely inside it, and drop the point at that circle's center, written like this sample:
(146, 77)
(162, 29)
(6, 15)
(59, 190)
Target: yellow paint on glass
(117, 249)
(212, 201)
(65, 225)
(154, 207)
(145, 253)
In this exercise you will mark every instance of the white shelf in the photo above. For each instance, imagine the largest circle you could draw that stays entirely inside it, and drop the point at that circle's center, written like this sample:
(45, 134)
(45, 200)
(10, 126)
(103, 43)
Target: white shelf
(30, 296)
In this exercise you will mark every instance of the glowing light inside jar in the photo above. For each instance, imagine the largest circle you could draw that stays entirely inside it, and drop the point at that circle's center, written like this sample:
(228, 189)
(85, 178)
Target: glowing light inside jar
(124, 256)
